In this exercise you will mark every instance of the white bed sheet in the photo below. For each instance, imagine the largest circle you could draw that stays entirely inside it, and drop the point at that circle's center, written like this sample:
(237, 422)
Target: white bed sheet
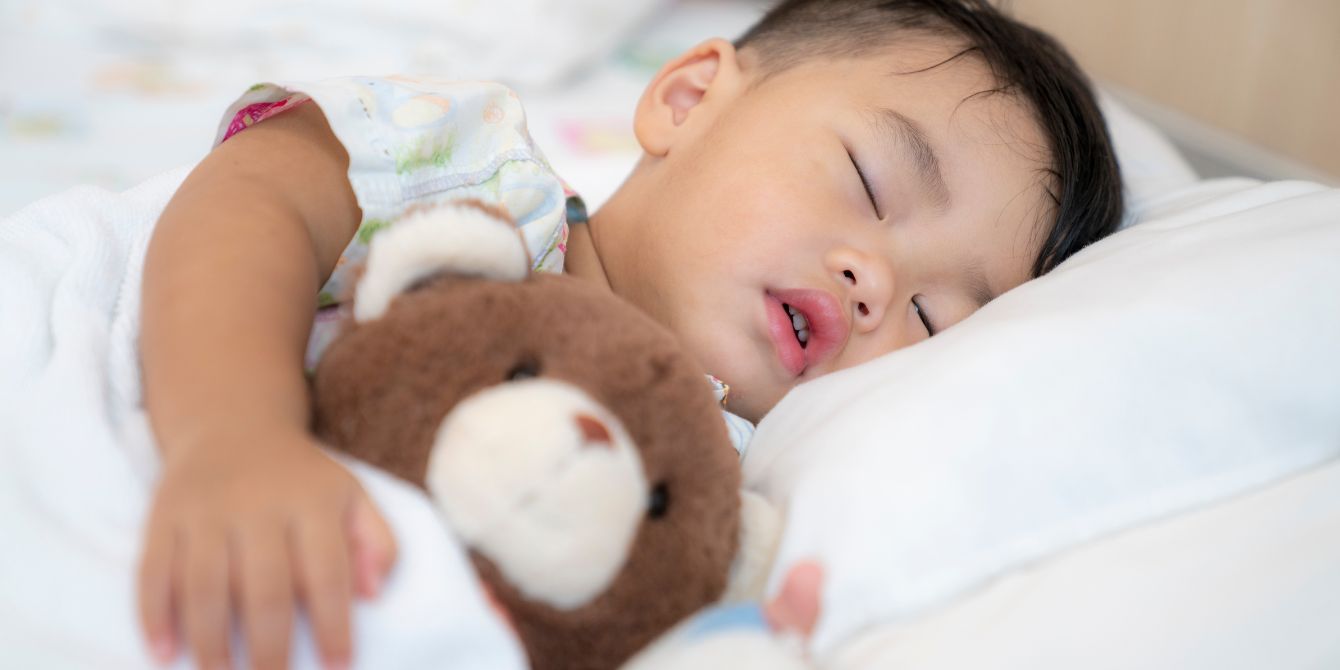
(77, 464)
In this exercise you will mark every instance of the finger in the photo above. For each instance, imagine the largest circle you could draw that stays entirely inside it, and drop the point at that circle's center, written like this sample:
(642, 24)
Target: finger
(321, 566)
(155, 591)
(796, 607)
(265, 597)
(373, 546)
(202, 572)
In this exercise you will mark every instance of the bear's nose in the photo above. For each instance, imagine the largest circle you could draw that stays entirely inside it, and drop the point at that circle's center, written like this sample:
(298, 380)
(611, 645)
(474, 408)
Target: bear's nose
(593, 431)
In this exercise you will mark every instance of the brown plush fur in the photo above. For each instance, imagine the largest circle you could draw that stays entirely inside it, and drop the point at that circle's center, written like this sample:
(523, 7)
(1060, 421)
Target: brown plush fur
(383, 388)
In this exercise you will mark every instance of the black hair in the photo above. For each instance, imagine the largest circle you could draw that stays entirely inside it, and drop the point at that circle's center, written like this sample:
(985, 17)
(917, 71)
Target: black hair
(1085, 183)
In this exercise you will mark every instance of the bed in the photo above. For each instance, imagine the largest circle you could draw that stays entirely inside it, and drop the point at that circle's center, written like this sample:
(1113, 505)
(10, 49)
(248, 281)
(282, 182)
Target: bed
(1146, 479)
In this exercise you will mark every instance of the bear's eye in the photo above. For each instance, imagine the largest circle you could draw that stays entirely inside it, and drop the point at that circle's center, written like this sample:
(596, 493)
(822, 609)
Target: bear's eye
(526, 369)
(658, 503)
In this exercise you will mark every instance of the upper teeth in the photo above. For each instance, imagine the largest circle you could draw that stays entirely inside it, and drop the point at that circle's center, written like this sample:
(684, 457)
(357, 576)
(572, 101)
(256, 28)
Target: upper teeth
(799, 323)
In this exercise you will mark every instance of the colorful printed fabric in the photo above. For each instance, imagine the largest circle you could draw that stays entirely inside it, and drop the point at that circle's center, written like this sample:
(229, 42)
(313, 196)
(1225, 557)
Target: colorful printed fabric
(414, 142)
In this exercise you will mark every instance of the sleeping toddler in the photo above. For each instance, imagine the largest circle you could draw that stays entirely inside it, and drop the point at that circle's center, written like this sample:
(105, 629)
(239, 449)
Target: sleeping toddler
(848, 178)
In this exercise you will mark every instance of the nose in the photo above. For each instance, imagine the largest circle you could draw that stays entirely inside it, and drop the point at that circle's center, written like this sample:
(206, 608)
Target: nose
(869, 282)
(593, 431)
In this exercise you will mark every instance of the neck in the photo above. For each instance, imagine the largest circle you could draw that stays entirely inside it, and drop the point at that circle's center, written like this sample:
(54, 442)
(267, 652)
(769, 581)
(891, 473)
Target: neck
(600, 250)
(583, 256)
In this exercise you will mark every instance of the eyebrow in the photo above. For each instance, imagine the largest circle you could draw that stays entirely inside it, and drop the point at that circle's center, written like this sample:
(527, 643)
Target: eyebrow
(909, 133)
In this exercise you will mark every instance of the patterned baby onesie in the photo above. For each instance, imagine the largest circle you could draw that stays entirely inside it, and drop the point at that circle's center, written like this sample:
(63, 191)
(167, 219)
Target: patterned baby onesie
(414, 142)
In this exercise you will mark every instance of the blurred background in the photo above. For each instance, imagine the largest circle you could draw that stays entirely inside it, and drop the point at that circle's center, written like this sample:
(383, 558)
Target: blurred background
(111, 92)
(1224, 78)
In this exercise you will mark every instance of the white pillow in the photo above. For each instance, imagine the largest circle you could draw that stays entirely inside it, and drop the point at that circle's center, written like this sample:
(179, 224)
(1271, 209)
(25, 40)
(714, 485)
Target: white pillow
(1245, 584)
(1151, 166)
(1183, 360)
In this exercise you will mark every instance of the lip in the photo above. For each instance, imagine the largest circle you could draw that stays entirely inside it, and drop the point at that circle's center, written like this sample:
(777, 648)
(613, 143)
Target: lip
(827, 325)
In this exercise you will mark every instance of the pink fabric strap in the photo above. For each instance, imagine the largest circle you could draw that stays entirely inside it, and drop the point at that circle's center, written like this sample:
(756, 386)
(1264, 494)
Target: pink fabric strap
(256, 112)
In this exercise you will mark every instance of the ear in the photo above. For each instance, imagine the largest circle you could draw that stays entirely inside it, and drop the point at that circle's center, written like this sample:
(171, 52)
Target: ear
(462, 237)
(760, 531)
(686, 92)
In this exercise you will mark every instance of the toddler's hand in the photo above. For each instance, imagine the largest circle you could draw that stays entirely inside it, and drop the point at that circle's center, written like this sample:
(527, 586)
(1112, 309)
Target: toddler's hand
(246, 531)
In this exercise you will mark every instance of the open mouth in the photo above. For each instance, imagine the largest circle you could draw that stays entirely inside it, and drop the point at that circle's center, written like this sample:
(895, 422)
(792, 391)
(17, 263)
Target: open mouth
(807, 327)
(799, 325)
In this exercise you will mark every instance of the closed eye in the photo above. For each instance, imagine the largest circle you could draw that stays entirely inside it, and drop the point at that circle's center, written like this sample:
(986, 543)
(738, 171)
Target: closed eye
(865, 183)
(925, 320)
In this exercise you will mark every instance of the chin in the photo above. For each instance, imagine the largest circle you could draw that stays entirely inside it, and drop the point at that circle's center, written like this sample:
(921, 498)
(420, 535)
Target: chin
(751, 407)
(726, 366)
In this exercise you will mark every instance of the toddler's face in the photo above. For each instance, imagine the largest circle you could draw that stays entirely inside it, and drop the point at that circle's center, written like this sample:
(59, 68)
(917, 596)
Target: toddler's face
(833, 213)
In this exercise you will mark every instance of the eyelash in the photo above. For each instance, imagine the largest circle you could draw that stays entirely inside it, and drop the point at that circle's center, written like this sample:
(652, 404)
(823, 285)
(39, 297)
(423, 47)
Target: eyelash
(925, 321)
(866, 183)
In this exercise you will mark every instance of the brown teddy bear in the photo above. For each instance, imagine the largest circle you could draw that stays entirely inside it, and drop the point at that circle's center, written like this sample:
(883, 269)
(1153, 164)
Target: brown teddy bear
(569, 440)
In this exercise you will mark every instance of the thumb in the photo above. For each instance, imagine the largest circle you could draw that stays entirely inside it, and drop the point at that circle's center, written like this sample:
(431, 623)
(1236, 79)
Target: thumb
(372, 545)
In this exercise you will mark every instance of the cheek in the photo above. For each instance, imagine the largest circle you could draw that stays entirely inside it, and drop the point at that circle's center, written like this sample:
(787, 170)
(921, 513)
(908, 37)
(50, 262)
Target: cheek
(760, 212)
(759, 180)
(744, 364)
(720, 224)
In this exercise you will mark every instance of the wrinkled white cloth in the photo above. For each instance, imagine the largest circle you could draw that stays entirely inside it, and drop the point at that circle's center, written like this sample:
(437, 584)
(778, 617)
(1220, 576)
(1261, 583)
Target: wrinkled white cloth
(77, 465)
(531, 42)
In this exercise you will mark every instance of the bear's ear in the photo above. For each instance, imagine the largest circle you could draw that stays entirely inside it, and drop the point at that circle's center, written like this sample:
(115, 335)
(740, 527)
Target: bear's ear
(760, 531)
(464, 238)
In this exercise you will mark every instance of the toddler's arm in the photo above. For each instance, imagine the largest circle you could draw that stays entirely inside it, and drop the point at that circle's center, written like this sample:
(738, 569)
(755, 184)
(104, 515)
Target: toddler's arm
(249, 513)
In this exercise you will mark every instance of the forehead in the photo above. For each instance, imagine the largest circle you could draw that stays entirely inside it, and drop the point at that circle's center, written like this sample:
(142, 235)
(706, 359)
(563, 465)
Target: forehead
(918, 74)
(991, 150)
